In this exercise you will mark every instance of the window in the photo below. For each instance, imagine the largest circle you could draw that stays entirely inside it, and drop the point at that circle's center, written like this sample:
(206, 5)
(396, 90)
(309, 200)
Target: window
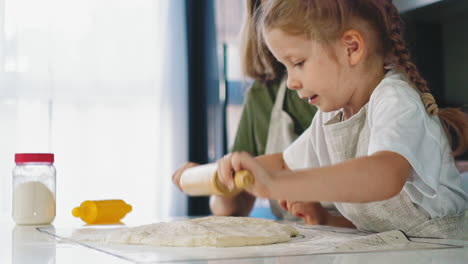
(98, 83)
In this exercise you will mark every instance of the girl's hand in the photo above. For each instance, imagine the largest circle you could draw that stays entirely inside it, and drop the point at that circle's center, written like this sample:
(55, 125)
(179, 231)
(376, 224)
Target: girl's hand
(312, 212)
(179, 171)
(233, 162)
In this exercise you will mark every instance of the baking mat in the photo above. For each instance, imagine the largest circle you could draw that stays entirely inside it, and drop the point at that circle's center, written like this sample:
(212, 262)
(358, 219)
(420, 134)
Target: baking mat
(312, 240)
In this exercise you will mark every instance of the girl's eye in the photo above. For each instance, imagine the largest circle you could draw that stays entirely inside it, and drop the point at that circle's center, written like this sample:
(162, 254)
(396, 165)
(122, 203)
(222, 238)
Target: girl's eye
(299, 64)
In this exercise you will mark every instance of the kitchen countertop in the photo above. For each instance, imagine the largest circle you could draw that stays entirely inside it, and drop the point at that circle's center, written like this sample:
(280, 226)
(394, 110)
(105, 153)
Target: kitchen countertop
(24, 244)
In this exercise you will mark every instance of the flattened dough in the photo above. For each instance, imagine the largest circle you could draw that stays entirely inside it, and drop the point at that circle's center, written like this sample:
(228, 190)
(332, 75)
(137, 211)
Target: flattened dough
(212, 231)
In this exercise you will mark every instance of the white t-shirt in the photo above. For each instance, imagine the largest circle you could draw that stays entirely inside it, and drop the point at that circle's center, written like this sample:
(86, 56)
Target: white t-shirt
(399, 123)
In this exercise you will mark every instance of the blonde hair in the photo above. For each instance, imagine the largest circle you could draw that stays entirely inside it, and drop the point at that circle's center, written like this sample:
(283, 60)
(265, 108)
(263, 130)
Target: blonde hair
(256, 60)
(327, 20)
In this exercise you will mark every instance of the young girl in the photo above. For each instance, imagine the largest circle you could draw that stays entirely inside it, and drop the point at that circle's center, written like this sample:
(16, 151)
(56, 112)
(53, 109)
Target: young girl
(377, 146)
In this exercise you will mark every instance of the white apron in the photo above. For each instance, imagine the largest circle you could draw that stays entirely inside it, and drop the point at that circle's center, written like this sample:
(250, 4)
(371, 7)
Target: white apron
(350, 139)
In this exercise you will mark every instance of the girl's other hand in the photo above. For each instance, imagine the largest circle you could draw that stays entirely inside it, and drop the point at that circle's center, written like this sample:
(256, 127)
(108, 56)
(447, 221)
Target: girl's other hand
(231, 163)
(179, 171)
(312, 212)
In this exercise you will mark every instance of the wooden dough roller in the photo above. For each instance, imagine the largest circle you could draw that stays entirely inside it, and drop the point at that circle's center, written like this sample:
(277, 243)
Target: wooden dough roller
(203, 180)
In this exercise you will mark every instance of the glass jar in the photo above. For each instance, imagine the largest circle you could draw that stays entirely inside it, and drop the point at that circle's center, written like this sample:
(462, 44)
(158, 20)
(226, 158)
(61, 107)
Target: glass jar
(34, 189)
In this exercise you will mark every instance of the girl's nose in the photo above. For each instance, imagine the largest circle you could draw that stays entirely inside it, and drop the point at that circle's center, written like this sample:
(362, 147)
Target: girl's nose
(293, 84)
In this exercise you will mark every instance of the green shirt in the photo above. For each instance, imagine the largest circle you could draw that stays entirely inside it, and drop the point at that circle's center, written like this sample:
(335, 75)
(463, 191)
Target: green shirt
(252, 131)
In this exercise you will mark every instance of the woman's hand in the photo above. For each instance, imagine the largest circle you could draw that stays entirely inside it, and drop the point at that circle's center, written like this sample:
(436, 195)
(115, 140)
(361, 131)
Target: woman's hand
(179, 171)
(312, 212)
(233, 162)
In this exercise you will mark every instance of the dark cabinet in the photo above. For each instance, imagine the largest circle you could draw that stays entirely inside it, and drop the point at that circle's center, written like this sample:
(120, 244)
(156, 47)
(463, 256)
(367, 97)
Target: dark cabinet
(437, 33)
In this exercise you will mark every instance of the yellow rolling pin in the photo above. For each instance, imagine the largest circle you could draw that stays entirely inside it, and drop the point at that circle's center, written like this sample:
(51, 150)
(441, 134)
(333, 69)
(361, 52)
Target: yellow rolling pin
(203, 180)
(102, 212)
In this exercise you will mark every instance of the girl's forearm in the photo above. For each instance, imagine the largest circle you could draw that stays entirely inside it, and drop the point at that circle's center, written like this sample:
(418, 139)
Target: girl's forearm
(372, 178)
(273, 162)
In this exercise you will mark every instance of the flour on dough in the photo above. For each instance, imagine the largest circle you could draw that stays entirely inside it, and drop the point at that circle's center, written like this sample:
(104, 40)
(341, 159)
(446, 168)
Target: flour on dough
(212, 231)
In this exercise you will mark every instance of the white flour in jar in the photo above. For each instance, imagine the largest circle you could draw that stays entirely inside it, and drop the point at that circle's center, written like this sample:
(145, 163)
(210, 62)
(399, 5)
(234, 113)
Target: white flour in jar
(33, 203)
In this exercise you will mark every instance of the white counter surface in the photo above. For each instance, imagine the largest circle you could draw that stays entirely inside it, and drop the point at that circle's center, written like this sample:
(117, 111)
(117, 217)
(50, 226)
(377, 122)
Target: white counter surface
(24, 244)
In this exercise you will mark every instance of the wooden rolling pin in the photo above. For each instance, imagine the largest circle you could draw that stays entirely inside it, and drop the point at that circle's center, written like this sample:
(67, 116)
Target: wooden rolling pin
(203, 180)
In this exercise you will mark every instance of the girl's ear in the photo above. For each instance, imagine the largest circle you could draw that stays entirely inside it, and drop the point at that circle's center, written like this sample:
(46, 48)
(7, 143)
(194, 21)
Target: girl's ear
(354, 44)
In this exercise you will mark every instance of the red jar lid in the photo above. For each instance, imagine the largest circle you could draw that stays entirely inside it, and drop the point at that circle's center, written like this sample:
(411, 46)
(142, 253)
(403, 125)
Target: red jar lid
(34, 157)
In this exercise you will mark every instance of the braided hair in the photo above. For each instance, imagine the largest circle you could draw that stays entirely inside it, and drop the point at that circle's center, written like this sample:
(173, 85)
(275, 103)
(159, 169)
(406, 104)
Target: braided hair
(452, 119)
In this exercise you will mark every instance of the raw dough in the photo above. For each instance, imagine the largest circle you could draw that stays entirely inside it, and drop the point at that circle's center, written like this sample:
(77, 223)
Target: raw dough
(212, 231)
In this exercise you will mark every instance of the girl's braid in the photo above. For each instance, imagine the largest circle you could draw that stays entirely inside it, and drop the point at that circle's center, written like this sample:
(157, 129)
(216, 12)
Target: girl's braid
(402, 59)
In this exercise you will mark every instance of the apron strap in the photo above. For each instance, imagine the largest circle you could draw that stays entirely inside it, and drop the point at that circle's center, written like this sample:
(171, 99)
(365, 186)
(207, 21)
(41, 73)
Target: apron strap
(280, 96)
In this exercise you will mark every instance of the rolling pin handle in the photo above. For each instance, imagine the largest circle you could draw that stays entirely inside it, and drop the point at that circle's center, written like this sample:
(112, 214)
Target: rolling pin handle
(243, 179)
